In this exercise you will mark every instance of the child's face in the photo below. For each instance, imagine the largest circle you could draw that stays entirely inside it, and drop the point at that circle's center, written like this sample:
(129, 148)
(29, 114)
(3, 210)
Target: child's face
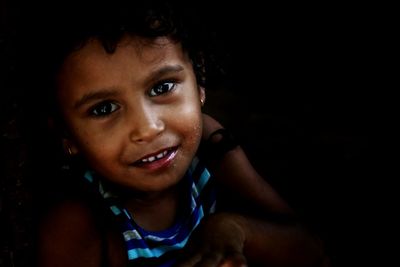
(135, 115)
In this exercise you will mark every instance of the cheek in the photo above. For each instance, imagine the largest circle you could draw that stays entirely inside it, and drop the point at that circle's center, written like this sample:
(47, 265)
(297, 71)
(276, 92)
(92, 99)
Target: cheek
(190, 125)
(96, 147)
(192, 139)
(103, 159)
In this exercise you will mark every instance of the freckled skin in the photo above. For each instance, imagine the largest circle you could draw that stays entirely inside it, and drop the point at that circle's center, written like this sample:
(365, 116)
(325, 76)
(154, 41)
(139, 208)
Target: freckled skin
(141, 124)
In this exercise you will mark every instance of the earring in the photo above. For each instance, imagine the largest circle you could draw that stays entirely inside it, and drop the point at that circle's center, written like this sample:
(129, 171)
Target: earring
(69, 150)
(202, 101)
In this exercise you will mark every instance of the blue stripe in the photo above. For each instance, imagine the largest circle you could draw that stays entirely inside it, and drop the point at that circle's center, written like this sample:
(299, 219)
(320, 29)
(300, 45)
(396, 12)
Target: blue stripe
(155, 252)
(177, 238)
(169, 263)
(142, 244)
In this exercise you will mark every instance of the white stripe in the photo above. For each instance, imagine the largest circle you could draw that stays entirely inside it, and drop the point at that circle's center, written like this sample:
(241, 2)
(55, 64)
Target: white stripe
(195, 192)
(155, 252)
(213, 207)
(193, 205)
(132, 234)
(159, 251)
(159, 239)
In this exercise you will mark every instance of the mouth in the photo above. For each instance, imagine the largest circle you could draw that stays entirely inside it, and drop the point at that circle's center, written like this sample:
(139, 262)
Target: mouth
(156, 160)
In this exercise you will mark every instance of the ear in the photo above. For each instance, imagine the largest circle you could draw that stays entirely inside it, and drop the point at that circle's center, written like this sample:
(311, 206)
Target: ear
(202, 94)
(69, 147)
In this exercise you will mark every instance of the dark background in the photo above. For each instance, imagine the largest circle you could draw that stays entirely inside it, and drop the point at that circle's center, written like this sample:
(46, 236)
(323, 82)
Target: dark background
(303, 93)
(310, 98)
(305, 98)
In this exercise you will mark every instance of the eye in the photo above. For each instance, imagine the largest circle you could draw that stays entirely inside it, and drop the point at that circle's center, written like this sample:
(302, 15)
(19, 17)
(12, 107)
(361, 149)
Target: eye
(103, 109)
(162, 88)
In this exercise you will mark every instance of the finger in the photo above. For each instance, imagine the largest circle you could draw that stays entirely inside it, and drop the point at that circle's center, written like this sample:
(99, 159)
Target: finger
(210, 260)
(234, 260)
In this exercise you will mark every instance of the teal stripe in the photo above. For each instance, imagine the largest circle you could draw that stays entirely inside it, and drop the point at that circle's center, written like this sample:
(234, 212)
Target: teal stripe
(88, 175)
(127, 214)
(161, 250)
(203, 180)
(155, 252)
(193, 166)
(129, 231)
(115, 210)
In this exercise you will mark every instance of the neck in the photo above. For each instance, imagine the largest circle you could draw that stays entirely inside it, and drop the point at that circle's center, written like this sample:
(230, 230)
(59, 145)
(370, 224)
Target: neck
(155, 211)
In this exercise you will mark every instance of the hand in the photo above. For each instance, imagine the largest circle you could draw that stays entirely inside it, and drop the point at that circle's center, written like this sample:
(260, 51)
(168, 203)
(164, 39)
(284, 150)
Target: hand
(217, 242)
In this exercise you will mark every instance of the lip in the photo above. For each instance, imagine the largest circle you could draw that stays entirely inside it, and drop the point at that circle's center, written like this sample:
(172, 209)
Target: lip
(157, 164)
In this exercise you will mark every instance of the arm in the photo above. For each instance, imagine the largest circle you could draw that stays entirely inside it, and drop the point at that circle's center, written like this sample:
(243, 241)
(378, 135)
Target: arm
(68, 238)
(268, 243)
(234, 172)
(231, 236)
(233, 240)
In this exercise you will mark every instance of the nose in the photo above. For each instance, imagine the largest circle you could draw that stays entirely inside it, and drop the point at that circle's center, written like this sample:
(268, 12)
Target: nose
(147, 124)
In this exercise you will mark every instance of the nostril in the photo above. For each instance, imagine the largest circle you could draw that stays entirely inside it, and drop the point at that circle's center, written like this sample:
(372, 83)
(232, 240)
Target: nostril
(147, 132)
(145, 121)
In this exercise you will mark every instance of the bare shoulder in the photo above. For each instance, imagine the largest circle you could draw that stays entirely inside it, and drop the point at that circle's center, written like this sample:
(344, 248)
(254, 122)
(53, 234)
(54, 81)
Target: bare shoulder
(210, 125)
(237, 176)
(68, 217)
(69, 236)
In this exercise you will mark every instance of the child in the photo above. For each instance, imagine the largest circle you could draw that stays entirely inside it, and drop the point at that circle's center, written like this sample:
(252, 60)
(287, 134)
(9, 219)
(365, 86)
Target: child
(126, 101)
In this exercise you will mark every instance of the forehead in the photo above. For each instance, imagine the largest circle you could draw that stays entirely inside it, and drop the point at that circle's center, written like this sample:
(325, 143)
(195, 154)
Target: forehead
(133, 51)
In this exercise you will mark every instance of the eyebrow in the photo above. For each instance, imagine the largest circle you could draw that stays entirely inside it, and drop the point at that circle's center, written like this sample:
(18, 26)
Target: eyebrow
(89, 97)
(164, 70)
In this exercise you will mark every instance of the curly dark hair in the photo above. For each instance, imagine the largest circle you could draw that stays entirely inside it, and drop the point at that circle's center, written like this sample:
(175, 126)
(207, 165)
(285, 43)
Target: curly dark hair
(109, 23)
(50, 33)
(45, 35)
(53, 32)
(57, 31)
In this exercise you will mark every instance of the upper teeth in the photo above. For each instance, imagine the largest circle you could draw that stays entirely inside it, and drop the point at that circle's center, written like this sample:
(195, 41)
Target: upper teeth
(153, 158)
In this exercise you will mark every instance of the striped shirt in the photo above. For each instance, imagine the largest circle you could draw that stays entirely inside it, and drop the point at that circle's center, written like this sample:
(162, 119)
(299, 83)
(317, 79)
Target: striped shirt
(145, 248)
